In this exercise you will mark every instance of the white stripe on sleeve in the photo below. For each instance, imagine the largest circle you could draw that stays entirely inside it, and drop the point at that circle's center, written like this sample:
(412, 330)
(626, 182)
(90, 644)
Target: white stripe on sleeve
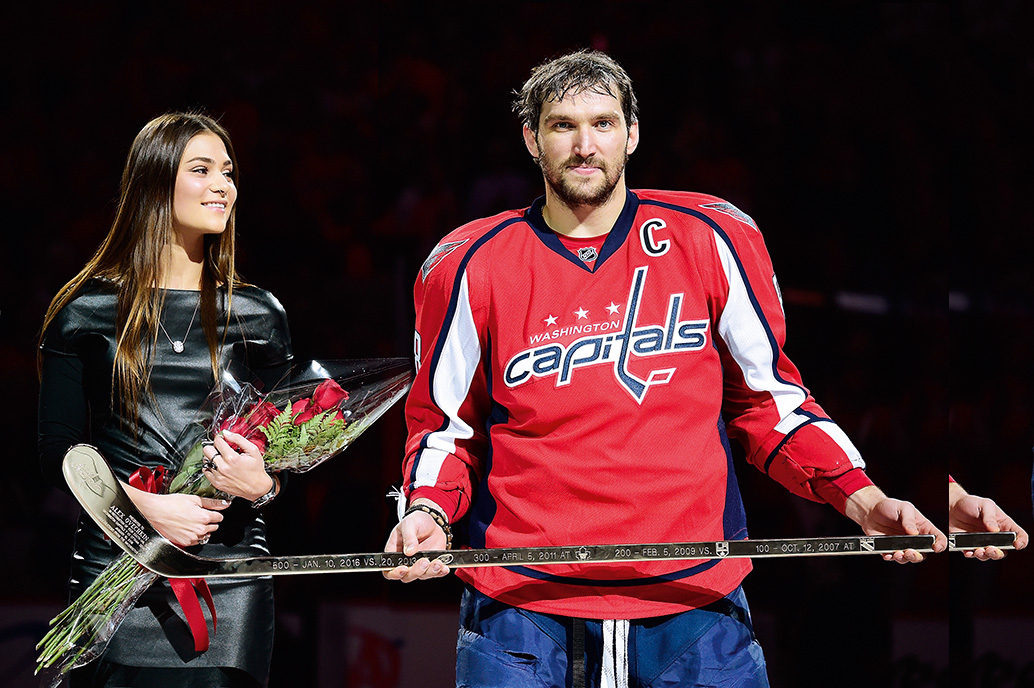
(842, 440)
(790, 423)
(743, 331)
(461, 356)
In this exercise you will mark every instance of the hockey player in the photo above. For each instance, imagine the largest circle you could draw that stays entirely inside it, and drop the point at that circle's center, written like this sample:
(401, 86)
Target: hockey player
(581, 367)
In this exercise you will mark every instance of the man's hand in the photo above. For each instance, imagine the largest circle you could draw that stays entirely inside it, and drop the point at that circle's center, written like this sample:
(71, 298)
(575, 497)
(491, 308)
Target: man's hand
(417, 533)
(879, 514)
(971, 514)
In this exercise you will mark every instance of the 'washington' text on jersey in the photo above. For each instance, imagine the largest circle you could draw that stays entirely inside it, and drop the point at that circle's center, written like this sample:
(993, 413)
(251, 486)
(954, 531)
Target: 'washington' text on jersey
(672, 336)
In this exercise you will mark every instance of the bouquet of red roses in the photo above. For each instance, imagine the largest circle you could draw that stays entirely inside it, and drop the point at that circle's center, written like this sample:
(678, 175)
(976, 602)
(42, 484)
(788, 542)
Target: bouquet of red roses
(298, 425)
(296, 428)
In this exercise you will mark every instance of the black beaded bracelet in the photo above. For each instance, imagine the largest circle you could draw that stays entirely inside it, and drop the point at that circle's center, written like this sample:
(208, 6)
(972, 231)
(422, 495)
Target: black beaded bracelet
(438, 517)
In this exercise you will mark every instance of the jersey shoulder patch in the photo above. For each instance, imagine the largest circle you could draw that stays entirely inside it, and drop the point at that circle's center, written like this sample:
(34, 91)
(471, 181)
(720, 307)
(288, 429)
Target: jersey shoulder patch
(438, 255)
(732, 211)
(472, 231)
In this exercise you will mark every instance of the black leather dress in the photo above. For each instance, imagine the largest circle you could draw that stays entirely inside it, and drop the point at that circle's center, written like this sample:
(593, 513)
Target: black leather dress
(75, 406)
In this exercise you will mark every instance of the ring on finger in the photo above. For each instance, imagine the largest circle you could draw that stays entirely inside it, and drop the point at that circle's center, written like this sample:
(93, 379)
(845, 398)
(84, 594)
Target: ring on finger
(204, 540)
(209, 464)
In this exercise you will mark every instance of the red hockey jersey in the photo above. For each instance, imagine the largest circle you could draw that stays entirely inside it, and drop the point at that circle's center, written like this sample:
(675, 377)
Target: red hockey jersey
(560, 404)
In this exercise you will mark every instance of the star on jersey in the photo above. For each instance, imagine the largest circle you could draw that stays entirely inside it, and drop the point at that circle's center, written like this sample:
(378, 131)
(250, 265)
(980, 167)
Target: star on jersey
(613, 308)
(634, 341)
(581, 313)
(551, 320)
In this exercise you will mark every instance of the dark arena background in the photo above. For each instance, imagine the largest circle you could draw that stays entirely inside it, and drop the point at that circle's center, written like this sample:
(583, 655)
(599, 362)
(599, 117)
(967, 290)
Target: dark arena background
(883, 148)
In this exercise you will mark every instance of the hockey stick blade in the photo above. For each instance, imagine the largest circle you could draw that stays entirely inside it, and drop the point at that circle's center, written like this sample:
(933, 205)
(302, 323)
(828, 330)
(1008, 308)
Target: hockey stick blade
(961, 542)
(104, 499)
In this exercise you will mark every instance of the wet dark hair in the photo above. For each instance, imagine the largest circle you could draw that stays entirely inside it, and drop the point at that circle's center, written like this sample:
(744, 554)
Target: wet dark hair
(584, 70)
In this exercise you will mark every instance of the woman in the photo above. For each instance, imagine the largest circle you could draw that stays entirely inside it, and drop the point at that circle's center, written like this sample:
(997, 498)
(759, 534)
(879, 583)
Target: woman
(129, 351)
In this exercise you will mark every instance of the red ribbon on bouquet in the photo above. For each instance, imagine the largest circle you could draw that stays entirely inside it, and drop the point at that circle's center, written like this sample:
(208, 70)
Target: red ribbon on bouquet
(185, 589)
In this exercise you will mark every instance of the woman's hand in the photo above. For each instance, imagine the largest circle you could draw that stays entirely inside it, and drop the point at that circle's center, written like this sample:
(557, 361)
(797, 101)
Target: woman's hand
(184, 520)
(237, 467)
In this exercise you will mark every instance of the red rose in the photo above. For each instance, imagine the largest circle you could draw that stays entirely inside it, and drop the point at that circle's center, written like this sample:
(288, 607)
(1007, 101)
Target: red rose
(263, 414)
(248, 425)
(306, 414)
(328, 395)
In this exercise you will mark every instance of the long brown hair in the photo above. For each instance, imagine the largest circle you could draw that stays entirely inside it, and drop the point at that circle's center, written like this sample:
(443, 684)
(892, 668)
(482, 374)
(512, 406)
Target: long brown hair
(130, 254)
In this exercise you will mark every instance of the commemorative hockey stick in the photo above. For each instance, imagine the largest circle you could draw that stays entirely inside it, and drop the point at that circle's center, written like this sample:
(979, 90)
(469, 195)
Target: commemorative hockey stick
(960, 542)
(104, 499)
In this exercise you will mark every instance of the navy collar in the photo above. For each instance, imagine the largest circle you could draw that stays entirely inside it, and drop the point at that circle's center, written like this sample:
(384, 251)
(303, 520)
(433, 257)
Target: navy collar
(615, 238)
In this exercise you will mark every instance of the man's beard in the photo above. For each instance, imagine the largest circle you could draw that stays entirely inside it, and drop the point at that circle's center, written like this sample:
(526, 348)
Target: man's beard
(592, 193)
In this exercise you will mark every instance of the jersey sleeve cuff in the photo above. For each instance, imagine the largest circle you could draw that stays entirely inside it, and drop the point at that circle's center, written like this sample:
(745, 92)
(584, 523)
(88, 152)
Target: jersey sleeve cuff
(835, 491)
(452, 502)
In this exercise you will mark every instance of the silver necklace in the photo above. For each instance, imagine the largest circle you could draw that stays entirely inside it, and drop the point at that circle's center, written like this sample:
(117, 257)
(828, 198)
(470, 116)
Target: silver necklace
(177, 345)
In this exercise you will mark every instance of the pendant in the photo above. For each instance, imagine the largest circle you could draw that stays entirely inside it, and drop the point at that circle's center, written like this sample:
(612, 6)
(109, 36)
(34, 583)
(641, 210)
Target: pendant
(177, 347)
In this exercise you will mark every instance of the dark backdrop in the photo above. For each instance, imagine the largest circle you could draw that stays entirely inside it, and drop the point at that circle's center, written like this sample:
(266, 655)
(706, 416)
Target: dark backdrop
(882, 148)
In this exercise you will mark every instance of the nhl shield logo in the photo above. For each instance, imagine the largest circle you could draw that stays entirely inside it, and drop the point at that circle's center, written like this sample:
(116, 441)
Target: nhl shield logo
(437, 256)
(587, 254)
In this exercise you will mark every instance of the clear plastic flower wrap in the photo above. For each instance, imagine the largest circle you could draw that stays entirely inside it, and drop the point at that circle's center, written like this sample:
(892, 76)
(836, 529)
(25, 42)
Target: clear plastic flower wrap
(313, 414)
(298, 425)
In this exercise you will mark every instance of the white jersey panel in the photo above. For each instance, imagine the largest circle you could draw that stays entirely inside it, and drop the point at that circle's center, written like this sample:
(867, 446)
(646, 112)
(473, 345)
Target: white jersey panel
(842, 440)
(461, 356)
(743, 331)
(790, 423)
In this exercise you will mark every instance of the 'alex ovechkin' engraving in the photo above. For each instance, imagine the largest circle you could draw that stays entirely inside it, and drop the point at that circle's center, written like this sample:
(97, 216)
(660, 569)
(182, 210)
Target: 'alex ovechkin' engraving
(128, 528)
